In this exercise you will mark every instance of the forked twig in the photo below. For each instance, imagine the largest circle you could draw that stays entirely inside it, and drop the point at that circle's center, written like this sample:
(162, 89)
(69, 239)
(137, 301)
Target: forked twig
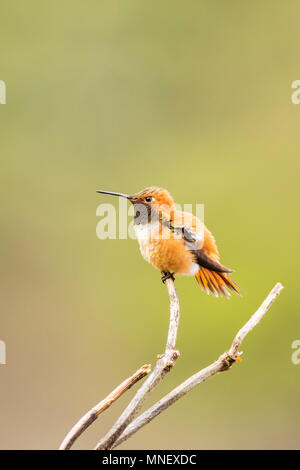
(225, 361)
(127, 425)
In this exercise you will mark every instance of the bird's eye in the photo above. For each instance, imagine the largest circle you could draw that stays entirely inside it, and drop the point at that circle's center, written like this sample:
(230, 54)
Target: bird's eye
(148, 198)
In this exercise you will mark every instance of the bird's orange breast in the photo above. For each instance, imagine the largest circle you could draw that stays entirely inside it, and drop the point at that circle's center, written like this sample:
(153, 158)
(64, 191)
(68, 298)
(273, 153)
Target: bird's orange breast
(160, 247)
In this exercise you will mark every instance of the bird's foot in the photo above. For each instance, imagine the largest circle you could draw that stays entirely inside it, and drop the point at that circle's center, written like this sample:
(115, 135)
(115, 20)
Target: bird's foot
(167, 275)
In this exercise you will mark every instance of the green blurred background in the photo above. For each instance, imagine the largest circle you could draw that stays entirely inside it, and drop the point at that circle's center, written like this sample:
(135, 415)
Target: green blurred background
(191, 96)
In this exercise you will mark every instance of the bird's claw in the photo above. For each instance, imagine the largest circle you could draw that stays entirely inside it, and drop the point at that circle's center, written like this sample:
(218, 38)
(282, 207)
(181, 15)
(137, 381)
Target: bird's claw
(166, 276)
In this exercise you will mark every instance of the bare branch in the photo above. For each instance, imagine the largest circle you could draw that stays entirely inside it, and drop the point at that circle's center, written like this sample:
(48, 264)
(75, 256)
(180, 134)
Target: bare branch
(93, 414)
(164, 364)
(224, 362)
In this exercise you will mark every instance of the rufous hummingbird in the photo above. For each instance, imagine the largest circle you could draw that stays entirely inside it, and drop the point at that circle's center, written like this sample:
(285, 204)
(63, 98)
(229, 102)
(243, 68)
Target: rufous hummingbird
(177, 242)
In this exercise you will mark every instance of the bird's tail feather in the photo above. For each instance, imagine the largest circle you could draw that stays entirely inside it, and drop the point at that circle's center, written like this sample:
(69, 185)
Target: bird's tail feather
(216, 283)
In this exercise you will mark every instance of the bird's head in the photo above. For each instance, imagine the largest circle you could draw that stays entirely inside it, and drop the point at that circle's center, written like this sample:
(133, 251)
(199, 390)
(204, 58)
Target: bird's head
(152, 196)
(149, 203)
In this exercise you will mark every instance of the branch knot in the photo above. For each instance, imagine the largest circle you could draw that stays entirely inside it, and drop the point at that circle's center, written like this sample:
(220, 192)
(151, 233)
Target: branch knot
(227, 360)
(171, 357)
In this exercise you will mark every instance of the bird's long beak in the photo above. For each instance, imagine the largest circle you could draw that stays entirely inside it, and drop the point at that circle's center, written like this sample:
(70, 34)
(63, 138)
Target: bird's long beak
(114, 194)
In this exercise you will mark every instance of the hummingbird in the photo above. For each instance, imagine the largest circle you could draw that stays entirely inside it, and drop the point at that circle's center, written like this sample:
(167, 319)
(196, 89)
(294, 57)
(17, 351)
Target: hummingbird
(177, 242)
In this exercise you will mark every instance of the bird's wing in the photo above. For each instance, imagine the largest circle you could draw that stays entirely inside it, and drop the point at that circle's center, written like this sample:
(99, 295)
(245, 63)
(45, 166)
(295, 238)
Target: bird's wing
(212, 276)
(198, 240)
